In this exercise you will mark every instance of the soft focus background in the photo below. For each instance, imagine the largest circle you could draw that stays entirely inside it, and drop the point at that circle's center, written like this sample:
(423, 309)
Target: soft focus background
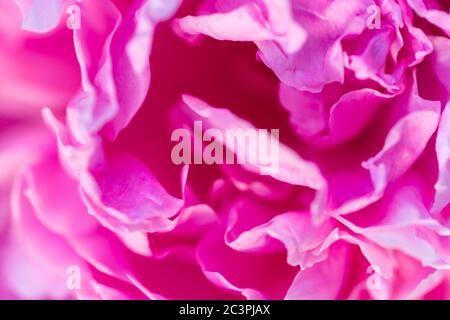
(92, 206)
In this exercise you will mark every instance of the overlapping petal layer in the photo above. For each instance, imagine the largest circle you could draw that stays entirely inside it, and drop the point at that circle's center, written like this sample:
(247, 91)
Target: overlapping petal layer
(356, 206)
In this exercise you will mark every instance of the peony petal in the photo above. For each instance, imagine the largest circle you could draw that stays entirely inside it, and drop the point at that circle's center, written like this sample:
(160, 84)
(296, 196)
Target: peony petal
(40, 16)
(292, 169)
(443, 153)
(428, 10)
(258, 22)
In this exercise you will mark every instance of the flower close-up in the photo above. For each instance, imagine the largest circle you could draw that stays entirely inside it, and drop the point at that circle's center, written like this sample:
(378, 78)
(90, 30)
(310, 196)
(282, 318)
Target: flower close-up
(225, 149)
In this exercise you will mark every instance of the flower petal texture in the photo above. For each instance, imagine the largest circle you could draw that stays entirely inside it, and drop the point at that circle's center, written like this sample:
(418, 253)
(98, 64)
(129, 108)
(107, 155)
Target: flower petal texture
(225, 149)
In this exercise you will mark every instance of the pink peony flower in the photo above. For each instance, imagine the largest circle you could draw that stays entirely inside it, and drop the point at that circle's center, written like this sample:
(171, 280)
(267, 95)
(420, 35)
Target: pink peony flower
(92, 205)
